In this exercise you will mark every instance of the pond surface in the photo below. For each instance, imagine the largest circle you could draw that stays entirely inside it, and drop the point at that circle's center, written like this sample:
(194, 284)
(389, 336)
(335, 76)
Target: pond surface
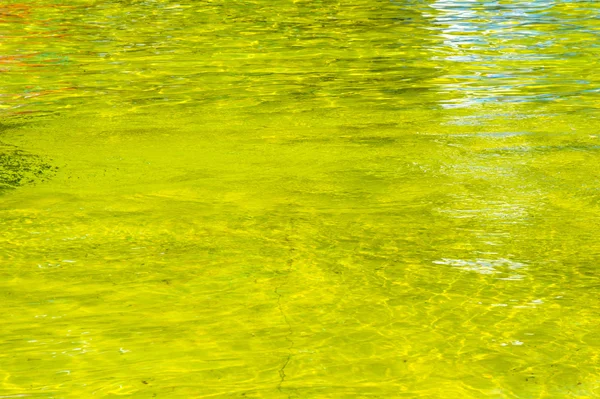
(293, 199)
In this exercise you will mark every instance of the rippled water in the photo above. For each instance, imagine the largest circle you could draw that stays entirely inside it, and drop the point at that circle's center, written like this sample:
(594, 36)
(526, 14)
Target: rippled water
(209, 199)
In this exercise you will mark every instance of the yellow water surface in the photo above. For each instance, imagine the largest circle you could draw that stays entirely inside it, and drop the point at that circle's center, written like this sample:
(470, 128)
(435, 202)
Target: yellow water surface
(294, 199)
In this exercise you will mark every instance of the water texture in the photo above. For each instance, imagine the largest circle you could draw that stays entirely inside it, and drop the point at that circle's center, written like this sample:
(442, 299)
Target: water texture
(293, 199)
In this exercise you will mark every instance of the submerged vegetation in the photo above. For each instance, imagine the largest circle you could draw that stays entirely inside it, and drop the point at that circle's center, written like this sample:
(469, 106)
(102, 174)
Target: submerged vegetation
(18, 167)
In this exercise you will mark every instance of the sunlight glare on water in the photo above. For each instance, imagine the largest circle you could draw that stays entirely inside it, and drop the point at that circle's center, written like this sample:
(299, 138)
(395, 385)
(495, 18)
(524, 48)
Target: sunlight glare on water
(293, 199)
